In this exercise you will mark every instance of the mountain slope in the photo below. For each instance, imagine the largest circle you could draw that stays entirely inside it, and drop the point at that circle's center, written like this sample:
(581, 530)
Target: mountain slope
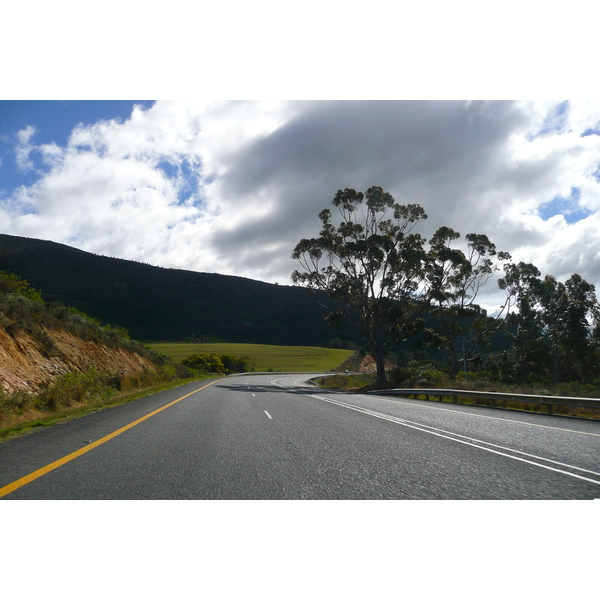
(157, 304)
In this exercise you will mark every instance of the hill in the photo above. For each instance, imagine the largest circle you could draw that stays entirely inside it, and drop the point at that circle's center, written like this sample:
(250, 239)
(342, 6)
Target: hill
(54, 358)
(159, 304)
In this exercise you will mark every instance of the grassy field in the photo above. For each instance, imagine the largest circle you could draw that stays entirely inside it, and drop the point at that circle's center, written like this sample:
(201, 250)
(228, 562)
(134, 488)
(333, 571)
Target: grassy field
(275, 358)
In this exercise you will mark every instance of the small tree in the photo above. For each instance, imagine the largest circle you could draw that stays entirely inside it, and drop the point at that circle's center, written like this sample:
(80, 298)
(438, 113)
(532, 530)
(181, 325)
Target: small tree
(530, 357)
(370, 265)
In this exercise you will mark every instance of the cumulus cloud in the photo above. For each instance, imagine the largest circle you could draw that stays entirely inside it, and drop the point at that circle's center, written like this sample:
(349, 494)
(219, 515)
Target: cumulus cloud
(231, 187)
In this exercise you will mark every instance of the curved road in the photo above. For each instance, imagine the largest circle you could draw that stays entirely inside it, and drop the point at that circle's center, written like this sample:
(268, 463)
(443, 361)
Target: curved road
(278, 437)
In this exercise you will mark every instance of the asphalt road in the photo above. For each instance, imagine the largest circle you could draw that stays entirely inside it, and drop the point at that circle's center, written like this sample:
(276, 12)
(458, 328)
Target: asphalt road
(278, 437)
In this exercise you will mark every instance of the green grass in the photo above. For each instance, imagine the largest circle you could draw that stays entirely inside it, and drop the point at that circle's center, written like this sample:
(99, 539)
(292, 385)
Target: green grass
(265, 358)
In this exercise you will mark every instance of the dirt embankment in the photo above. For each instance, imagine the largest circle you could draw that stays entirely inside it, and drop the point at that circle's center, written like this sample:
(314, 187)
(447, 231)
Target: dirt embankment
(369, 365)
(25, 366)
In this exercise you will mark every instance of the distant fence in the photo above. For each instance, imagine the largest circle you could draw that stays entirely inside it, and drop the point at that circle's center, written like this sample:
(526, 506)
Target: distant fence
(546, 401)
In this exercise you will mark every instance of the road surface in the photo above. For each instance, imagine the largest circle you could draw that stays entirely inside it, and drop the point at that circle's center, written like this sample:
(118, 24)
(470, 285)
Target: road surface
(279, 437)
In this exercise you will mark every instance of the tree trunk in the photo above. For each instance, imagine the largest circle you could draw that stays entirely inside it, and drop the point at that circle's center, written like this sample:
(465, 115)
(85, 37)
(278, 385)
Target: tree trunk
(455, 368)
(380, 361)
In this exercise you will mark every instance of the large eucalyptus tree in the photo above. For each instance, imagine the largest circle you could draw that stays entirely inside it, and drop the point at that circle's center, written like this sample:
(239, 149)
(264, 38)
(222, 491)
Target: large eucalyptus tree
(370, 264)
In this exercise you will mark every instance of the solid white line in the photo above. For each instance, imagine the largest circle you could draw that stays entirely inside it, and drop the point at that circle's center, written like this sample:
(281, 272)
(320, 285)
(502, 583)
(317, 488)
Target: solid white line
(421, 404)
(448, 437)
(268, 415)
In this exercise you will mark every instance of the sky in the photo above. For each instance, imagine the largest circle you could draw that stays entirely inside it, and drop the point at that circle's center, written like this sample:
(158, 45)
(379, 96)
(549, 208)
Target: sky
(230, 186)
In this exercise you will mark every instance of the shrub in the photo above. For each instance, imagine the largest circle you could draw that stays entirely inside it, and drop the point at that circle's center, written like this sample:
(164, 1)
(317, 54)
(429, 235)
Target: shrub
(220, 364)
(401, 375)
(14, 403)
(198, 362)
(169, 372)
(468, 376)
(235, 364)
(12, 284)
(75, 386)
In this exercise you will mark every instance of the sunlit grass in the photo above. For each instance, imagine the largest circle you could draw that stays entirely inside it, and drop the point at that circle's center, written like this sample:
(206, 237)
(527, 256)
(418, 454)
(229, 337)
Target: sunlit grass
(276, 358)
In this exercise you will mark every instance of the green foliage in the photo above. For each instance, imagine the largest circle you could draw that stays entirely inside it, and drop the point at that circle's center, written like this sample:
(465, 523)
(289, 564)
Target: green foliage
(170, 372)
(223, 364)
(76, 387)
(12, 284)
(454, 279)
(554, 334)
(204, 363)
(235, 364)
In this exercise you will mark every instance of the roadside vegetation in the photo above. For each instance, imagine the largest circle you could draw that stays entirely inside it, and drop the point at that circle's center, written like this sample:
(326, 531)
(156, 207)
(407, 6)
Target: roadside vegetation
(76, 395)
(426, 374)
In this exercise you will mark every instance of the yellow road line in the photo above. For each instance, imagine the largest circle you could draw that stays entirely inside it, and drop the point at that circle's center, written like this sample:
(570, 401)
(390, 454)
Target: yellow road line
(15, 485)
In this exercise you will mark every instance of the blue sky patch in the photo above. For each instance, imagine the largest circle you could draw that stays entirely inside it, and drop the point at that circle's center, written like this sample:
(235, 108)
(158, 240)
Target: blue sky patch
(53, 122)
(569, 208)
(186, 173)
(556, 119)
(590, 131)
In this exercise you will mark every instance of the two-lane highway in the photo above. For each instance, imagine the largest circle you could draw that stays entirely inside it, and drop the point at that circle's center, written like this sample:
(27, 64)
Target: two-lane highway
(278, 437)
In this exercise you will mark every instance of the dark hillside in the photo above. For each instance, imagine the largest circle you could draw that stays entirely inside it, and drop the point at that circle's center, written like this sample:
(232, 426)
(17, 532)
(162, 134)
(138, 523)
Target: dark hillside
(154, 303)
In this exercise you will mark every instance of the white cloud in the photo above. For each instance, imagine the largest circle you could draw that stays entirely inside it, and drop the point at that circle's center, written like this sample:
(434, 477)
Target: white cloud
(23, 148)
(231, 187)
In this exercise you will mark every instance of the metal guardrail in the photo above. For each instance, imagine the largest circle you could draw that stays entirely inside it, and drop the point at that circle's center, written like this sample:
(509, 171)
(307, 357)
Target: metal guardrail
(547, 401)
